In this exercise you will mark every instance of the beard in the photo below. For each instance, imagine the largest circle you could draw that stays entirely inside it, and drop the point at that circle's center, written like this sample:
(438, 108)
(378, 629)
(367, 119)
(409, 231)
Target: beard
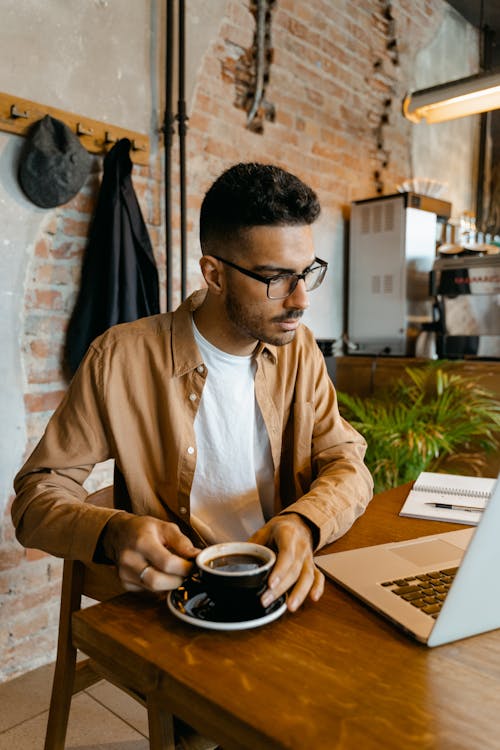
(251, 324)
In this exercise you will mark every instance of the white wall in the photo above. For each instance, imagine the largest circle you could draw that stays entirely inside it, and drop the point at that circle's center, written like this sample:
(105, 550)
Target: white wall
(20, 224)
(49, 51)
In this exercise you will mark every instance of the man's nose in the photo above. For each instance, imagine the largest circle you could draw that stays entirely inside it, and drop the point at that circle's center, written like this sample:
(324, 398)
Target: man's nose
(299, 298)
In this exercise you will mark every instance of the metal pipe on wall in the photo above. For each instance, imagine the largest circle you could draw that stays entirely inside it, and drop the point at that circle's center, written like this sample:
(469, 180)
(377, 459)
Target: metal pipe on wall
(168, 131)
(182, 130)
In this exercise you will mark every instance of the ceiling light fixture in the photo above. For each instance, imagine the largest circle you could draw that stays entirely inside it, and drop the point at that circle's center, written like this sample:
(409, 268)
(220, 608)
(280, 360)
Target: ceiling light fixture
(447, 101)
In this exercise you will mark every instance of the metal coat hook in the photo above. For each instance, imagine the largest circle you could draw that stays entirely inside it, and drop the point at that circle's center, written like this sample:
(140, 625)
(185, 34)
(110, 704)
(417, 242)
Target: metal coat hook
(15, 112)
(136, 146)
(81, 130)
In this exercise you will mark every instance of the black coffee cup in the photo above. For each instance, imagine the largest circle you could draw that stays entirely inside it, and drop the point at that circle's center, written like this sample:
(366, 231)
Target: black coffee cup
(234, 575)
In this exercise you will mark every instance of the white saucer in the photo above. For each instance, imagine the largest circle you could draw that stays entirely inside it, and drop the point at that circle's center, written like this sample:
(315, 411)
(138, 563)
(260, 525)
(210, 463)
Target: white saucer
(191, 604)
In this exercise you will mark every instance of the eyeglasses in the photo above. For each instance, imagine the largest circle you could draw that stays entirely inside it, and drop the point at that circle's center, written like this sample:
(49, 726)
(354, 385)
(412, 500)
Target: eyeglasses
(284, 284)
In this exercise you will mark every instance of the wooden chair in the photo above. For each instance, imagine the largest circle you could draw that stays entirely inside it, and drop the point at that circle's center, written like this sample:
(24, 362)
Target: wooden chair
(99, 582)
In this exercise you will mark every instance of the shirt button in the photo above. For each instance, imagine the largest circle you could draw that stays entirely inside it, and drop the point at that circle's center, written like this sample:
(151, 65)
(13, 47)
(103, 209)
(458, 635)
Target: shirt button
(192, 396)
(183, 510)
(200, 368)
(190, 450)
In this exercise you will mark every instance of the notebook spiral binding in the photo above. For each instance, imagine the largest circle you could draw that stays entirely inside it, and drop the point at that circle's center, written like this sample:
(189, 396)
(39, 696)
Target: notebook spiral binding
(452, 491)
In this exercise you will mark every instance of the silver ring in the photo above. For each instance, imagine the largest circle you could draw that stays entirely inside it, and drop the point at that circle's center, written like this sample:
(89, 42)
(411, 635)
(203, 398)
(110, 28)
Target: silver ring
(143, 572)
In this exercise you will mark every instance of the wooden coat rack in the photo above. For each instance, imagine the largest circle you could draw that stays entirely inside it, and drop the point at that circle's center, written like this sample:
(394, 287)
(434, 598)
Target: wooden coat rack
(18, 115)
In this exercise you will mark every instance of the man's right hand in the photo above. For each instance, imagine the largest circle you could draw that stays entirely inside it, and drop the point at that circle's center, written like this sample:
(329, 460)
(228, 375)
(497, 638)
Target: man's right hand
(148, 553)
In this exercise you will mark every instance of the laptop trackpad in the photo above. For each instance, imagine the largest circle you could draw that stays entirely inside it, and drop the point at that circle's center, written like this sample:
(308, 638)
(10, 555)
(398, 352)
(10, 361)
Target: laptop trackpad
(429, 553)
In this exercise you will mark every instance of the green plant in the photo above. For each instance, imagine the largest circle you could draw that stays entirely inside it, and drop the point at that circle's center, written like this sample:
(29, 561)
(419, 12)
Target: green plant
(429, 415)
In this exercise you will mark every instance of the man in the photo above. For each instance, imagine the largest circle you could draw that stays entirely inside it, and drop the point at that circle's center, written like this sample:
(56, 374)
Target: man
(220, 416)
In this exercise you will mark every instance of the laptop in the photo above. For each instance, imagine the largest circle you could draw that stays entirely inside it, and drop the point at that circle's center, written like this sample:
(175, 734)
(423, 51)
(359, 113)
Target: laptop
(437, 588)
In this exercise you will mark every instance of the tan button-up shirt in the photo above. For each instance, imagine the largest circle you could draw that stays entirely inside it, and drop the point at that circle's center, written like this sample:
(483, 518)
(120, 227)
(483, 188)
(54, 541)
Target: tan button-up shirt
(134, 399)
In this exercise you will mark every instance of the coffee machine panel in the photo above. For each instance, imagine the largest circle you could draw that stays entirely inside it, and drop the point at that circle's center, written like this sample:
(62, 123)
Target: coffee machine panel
(467, 290)
(392, 248)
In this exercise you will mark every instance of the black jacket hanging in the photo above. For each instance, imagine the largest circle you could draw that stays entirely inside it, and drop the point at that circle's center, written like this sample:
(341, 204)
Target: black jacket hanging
(119, 275)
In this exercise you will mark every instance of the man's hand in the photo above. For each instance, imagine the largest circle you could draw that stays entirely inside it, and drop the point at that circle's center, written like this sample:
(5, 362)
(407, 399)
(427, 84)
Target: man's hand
(292, 538)
(149, 553)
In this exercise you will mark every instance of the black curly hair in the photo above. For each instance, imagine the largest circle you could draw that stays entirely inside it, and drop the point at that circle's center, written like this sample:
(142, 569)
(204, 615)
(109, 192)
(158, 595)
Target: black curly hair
(252, 194)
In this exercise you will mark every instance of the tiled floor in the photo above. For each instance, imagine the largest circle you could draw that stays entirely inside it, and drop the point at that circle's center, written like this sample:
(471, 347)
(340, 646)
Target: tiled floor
(101, 718)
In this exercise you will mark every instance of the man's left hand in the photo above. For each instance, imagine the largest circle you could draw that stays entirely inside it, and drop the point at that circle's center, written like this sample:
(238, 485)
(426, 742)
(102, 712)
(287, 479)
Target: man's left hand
(294, 570)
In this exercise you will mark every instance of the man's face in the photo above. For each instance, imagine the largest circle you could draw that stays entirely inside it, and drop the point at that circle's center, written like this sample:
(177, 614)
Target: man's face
(268, 251)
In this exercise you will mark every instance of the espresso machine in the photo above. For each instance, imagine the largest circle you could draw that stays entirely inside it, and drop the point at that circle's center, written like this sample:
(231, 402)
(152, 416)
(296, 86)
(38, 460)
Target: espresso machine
(466, 286)
(392, 249)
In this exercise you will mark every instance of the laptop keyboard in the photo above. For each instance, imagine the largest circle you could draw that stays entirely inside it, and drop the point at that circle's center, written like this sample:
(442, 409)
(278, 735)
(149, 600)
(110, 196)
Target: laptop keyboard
(427, 591)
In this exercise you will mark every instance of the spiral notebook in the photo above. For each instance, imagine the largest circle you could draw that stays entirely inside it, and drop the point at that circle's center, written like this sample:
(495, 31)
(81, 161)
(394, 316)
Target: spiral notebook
(448, 497)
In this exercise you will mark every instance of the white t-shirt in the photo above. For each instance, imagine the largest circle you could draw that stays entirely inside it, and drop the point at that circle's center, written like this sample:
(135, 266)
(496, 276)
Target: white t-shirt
(233, 488)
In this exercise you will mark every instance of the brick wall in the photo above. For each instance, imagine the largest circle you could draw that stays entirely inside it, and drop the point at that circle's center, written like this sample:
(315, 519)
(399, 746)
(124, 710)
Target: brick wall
(339, 73)
(330, 83)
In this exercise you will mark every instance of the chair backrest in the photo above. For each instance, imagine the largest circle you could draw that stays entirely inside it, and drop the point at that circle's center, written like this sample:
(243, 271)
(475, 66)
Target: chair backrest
(99, 582)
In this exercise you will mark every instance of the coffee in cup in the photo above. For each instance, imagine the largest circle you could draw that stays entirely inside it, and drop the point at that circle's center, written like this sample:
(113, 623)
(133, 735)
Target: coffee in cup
(234, 575)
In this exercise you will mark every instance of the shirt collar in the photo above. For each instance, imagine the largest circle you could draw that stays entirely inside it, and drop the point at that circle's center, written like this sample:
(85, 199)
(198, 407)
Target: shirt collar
(185, 353)
(267, 350)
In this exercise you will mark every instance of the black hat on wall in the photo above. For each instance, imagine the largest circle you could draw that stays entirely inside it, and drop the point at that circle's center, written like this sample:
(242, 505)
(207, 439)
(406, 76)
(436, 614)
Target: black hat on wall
(53, 165)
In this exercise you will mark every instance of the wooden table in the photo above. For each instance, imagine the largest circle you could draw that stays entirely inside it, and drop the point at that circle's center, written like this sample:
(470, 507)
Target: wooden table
(332, 675)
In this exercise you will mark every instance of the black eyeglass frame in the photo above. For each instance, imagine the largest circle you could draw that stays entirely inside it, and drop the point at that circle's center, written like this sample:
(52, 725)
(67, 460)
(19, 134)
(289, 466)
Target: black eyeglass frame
(270, 279)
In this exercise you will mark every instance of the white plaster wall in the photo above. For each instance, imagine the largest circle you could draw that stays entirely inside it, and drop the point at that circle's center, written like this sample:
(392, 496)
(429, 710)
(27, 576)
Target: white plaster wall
(49, 51)
(203, 19)
(325, 315)
(19, 227)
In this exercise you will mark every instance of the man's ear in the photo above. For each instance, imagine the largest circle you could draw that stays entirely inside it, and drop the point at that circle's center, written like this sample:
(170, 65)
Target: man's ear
(213, 273)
